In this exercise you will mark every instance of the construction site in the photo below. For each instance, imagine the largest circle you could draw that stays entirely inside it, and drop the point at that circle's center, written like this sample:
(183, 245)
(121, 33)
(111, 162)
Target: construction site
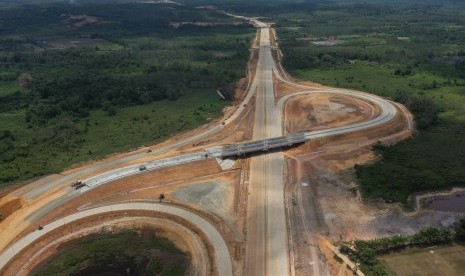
(277, 210)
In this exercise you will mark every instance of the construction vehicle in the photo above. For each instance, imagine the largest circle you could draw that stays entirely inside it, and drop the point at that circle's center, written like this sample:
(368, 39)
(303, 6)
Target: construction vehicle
(78, 184)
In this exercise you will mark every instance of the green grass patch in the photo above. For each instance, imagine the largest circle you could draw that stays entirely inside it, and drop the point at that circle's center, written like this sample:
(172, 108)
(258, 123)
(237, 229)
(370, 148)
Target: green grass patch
(447, 260)
(66, 142)
(146, 124)
(9, 88)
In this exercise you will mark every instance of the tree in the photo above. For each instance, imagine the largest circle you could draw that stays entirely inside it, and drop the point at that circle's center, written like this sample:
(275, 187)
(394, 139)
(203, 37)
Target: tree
(154, 266)
(161, 197)
(425, 109)
(460, 230)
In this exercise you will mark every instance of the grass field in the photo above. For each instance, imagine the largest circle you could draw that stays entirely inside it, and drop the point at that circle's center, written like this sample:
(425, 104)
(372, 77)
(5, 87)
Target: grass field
(100, 134)
(440, 260)
(380, 80)
(9, 87)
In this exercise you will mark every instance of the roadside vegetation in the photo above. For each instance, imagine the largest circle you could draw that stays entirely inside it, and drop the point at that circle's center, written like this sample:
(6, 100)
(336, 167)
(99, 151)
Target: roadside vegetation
(367, 253)
(117, 254)
(411, 52)
(78, 82)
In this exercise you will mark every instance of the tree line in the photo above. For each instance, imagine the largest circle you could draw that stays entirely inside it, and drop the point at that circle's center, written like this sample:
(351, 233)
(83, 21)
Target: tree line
(366, 251)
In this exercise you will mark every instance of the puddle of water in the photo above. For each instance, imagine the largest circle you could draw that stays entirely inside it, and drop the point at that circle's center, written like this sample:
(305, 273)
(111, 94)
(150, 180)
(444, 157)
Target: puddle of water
(452, 203)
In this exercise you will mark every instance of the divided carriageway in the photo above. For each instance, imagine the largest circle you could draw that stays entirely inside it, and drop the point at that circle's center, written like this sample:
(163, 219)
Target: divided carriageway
(270, 115)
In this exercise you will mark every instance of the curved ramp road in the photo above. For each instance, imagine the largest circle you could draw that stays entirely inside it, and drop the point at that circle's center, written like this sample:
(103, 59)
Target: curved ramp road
(223, 257)
(388, 112)
(134, 169)
(267, 251)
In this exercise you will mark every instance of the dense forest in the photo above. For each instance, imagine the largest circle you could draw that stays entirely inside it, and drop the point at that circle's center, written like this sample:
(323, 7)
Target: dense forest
(73, 76)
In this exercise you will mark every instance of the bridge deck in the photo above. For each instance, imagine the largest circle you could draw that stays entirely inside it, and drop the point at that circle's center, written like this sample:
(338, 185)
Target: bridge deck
(262, 145)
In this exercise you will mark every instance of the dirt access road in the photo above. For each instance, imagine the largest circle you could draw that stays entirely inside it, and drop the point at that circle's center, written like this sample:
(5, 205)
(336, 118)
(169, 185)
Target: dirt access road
(267, 244)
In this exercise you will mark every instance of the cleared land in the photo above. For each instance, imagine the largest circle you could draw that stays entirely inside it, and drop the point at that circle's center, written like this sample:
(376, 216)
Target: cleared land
(380, 56)
(315, 112)
(266, 198)
(444, 261)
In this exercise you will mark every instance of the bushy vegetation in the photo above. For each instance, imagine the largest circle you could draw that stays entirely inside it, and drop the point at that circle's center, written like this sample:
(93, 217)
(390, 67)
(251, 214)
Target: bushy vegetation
(425, 109)
(366, 251)
(428, 161)
(411, 52)
(460, 231)
(135, 80)
(115, 253)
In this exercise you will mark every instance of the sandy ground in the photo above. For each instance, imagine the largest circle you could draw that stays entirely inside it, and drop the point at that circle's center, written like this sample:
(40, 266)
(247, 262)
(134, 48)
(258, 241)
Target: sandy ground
(211, 197)
(346, 216)
(147, 186)
(322, 111)
(331, 207)
(321, 191)
(22, 208)
(186, 237)
(202, 187)
(321, 195)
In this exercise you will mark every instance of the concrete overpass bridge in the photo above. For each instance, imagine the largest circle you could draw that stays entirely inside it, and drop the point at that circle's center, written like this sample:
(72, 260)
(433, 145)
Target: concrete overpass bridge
(222, 151)
(261, 145)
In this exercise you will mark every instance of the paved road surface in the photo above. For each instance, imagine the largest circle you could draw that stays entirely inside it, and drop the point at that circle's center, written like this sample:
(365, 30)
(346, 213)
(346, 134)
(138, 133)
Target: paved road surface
(266, 252)
(388, 112)
(221, 249)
